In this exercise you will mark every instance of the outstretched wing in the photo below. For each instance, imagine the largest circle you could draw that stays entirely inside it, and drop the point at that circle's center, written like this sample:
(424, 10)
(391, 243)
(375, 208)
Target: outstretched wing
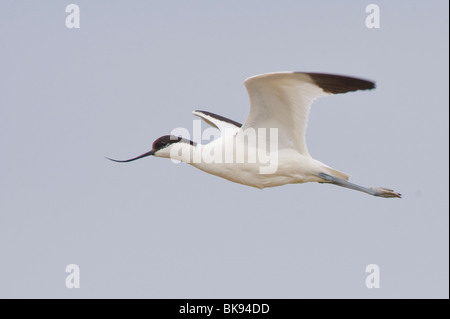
(225, 125)
(283, 100)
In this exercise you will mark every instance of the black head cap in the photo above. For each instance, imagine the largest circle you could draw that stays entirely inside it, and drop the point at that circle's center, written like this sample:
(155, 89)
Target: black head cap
(166, 140)
(160, 143)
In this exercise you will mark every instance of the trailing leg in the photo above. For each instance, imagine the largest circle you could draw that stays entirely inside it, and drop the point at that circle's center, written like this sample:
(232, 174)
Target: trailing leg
(375, 191)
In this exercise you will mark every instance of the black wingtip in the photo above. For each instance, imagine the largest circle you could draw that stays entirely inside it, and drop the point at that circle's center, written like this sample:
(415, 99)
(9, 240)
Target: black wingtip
(336, 84)
(220, 118)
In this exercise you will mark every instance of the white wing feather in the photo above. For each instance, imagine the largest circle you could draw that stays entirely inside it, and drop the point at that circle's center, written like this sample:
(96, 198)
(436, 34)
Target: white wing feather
(225, 125)
(283, 100)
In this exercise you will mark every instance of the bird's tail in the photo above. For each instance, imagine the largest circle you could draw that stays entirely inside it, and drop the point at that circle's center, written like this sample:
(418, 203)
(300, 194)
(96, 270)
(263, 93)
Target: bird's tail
(338, 174)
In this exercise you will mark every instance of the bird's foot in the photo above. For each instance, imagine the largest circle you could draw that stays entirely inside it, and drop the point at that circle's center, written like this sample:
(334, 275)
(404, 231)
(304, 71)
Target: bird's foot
(386, 193)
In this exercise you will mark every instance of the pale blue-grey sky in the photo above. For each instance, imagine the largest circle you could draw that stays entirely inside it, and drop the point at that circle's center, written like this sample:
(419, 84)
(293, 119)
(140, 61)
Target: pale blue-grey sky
(135, 70)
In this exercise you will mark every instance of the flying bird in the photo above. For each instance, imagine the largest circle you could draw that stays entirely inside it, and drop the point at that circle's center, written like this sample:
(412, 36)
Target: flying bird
(280, 103)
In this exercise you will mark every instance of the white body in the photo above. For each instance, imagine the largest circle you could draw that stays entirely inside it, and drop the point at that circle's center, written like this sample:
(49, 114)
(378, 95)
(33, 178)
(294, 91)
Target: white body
(291, 166)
